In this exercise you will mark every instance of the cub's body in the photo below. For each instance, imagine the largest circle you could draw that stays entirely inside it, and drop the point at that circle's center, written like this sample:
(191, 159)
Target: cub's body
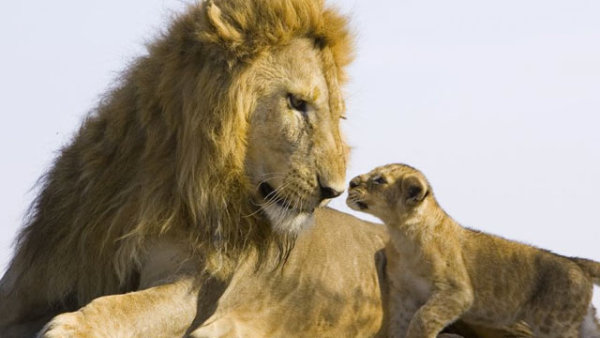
(440, 272)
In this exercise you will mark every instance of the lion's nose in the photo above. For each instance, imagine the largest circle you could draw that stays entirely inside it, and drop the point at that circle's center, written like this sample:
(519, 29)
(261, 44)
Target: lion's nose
(329, 192)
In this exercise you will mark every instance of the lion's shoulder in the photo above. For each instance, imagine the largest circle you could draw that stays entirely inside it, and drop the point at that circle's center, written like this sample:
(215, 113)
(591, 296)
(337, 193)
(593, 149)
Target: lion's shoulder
(351, 234)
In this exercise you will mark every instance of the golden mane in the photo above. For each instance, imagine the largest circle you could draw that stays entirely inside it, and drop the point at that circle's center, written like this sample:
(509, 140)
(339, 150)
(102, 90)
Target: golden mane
(163, 154)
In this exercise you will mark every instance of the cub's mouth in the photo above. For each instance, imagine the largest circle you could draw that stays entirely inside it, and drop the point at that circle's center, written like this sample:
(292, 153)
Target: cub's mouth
(355, 202)
(362, 205)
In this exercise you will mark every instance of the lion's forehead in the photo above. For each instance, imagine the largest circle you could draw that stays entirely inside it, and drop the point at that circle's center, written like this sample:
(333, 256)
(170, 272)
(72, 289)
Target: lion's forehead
(304, 70)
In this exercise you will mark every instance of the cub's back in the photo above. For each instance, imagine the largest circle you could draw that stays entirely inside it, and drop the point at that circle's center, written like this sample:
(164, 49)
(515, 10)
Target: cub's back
(511, 273)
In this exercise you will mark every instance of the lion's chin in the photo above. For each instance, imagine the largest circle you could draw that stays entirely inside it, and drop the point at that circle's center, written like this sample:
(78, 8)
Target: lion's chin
(286, 220)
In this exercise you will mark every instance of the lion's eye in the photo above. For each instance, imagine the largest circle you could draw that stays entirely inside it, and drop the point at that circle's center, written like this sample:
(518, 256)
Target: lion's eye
(379, 180)
(297, 104)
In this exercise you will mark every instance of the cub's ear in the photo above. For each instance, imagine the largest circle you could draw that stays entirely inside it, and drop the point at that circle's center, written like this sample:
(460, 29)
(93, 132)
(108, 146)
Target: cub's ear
(414, 190)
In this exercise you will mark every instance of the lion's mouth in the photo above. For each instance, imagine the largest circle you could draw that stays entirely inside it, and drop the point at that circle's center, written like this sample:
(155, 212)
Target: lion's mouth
(270, 195)
(283, 213)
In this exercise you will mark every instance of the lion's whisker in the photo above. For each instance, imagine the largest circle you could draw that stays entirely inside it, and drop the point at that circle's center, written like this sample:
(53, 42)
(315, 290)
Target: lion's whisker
(270, 200)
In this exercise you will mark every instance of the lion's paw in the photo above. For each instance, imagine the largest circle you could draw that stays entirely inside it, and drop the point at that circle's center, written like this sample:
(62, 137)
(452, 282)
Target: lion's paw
(220, 328)
(66, 325)
(226, 327)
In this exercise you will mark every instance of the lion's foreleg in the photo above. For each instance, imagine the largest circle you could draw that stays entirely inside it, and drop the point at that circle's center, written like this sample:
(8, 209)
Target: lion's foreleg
(23, 311)
(161, 311)
(164, 307)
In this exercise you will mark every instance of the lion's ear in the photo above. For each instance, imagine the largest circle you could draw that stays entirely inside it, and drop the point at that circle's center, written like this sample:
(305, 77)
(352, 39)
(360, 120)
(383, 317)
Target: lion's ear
(219, 28)
(414, 190)
(224, 30)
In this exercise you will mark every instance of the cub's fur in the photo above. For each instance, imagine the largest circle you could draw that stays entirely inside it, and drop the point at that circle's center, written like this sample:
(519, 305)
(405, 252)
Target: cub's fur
(440, 272)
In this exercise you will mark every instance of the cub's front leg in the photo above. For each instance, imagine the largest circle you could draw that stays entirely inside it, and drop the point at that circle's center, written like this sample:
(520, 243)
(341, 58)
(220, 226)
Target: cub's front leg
(402, 308)
(443, 307)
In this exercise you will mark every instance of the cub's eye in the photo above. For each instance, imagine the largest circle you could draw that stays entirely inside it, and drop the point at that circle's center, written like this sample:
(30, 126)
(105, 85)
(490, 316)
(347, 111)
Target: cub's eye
(379, 180)
(297, 104)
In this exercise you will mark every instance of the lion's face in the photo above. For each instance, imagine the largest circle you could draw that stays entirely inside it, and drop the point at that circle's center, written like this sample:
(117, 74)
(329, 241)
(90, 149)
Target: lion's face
(296, 158)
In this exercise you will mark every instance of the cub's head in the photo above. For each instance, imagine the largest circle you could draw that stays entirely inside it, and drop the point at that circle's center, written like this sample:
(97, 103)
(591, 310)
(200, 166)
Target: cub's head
(393, 193)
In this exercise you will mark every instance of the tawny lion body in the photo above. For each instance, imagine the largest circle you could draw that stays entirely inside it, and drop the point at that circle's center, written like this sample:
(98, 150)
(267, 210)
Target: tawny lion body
(214, 151)
(440, 272)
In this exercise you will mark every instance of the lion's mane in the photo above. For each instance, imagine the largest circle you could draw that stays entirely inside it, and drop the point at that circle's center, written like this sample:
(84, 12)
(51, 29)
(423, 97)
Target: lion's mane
(163, 154)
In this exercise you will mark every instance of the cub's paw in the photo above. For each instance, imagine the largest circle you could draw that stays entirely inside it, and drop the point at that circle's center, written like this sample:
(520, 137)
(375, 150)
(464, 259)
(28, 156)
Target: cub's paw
(66, 325)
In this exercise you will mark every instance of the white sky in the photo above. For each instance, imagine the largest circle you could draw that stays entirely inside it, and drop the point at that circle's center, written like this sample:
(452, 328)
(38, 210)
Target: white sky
(498, 103)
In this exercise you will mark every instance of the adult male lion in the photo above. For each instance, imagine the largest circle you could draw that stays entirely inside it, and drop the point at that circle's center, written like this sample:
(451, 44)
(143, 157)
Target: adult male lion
(197, 173)
(192, 193)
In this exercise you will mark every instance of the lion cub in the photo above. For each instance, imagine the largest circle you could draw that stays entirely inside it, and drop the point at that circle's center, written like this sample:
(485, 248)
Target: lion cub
(440, 272)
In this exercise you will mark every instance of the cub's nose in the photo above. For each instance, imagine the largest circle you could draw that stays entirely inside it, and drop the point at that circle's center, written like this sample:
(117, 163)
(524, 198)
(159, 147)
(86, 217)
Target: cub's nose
(354, 182)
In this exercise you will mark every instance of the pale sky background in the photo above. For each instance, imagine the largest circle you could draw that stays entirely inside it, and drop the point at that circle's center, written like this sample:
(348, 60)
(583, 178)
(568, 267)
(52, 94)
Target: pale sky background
(497, 102)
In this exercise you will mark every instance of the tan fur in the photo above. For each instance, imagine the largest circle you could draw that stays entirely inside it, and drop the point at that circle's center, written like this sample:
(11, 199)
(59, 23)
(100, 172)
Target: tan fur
(178, 150)
(329, 287)
(318, 292)
(440, 272)
(157, 193)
